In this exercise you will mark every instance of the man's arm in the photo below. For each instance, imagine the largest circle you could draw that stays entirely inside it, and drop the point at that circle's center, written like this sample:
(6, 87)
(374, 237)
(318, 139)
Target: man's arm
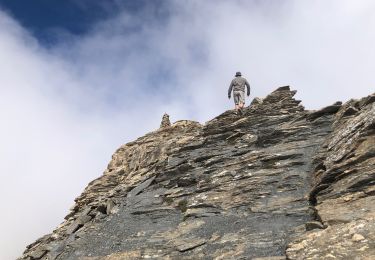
(230, 89)
(248, 87)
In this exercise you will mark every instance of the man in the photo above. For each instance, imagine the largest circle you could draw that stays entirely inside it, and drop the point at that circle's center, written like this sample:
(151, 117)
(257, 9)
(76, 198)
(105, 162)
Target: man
(238, 85)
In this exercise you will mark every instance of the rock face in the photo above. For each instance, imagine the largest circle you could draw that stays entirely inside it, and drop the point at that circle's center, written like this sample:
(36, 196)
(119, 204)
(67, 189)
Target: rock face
(278, 182)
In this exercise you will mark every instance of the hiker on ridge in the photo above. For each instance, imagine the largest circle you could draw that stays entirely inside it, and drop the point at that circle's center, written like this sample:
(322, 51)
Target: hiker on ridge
(238, 85)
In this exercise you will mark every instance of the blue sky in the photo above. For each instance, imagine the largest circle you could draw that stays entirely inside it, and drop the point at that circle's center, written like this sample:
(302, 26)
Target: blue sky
(78, 79)
(47, 19)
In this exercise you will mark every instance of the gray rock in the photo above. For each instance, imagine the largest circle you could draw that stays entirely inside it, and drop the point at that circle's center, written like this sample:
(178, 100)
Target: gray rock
(279, 182)
(325, 111)
(183, 246)
(139, 188)
(310, 225)
(38, 254)
(350, 111)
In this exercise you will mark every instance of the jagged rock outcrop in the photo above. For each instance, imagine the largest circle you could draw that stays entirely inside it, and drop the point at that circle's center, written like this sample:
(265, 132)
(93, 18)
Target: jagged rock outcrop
(344, 188)
(277, 182)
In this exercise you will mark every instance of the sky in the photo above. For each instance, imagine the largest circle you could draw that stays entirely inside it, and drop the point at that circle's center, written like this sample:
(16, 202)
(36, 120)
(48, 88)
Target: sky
(80, 78)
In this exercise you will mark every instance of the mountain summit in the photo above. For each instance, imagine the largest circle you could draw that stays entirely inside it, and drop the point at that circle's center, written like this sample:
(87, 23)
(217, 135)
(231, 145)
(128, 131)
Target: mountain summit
(278, 182)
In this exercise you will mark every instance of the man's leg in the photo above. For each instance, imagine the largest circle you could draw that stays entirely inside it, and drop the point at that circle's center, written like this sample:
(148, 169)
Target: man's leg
(241, 100)
(240, 106)
(239, 110)
(236, 100)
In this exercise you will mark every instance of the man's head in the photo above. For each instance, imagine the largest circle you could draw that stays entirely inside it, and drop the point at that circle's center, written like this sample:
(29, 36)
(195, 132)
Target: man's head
(238, 74)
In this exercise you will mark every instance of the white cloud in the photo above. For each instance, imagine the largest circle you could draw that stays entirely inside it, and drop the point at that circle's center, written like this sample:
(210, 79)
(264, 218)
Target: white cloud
(66, 109)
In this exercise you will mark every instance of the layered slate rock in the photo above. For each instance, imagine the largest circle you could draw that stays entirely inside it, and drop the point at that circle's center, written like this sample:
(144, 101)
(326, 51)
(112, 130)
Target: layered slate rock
(344, 188)
(276, 182)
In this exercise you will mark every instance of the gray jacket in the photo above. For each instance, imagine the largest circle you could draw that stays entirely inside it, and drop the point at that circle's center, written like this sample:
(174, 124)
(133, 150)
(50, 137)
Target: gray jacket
(238, 84)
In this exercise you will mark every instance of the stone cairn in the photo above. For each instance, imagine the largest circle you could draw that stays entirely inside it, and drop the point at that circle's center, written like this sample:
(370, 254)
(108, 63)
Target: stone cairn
(165, 121)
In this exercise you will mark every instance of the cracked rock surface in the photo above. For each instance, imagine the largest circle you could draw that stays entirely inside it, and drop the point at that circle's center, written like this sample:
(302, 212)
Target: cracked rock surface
(278, 182)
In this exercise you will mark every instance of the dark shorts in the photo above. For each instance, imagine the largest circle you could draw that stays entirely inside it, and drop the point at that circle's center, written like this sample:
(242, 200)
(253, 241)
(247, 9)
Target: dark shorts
(239, 97)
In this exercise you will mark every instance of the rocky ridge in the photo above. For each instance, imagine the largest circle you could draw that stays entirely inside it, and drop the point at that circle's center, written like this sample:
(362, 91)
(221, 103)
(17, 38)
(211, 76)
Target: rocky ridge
(278, 182)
